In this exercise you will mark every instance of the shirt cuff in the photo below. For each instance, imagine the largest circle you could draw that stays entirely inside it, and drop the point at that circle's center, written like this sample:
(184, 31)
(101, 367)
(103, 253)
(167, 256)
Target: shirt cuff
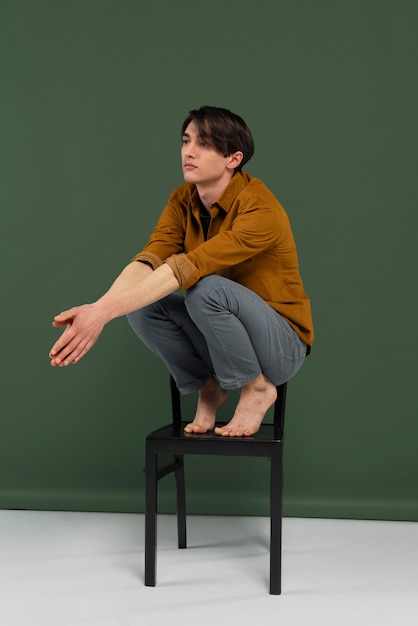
(186, 273)
(148, 257)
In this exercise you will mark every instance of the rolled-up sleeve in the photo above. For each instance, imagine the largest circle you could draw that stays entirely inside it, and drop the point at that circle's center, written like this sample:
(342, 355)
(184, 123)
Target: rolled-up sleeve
(184, 270)
(149, 258)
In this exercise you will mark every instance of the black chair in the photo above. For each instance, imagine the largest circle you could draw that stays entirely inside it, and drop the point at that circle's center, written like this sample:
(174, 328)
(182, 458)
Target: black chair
(172, 440)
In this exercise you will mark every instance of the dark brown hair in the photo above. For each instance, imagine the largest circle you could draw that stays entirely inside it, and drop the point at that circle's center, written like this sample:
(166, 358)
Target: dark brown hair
(225, 130)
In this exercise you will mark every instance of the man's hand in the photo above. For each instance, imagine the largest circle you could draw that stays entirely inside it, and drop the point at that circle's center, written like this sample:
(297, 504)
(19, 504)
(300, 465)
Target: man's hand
(84, 325)
(137, 286)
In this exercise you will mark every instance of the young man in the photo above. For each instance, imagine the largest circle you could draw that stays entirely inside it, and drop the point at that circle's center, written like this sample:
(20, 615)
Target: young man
(243, 320)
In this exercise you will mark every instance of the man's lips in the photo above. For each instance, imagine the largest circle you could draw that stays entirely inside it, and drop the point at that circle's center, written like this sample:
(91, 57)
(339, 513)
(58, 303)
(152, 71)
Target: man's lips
(189, 166)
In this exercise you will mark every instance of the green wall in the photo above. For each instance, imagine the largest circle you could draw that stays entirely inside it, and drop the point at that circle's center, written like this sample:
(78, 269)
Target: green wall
(94, 93)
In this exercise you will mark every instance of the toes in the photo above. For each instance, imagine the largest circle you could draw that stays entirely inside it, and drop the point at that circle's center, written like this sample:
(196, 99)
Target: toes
(227, 432)
(195, 428)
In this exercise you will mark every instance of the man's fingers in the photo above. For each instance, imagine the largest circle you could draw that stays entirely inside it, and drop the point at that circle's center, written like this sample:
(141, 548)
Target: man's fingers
(65, 317)
(70, 348)
(81, 332)
(60, 346)
(72, 353)
(67, 354)
(80, 352)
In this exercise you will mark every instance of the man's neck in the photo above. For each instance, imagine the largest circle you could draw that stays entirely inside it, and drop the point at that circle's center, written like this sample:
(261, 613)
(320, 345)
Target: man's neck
(209, 194)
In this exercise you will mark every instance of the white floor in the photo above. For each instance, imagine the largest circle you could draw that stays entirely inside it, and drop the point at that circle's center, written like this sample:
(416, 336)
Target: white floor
(86, 569)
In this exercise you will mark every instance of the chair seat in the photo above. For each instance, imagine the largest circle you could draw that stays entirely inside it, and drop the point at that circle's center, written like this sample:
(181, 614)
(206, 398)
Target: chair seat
(174, 439)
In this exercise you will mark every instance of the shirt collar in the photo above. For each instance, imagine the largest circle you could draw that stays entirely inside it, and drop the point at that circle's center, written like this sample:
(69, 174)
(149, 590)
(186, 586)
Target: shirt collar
(227, 198)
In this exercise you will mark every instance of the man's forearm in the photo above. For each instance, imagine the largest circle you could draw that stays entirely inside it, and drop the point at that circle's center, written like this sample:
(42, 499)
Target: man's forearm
(137, 286)
(131, 275)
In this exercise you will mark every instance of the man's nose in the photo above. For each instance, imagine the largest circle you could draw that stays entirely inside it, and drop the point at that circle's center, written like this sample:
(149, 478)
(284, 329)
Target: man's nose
(190, 150)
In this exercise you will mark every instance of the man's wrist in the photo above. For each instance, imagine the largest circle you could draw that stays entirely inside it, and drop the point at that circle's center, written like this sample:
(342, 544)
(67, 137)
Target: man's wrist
(106, 309)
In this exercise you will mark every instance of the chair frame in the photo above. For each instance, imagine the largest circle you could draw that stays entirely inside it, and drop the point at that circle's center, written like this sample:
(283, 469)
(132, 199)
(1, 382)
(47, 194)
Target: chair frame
(171, 439)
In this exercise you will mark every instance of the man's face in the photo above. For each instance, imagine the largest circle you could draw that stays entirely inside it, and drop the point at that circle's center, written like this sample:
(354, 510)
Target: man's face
(202, 164)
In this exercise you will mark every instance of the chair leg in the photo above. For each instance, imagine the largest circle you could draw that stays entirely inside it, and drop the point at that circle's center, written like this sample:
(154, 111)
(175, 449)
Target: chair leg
(181, 503)
(150, 516)
(276, 495)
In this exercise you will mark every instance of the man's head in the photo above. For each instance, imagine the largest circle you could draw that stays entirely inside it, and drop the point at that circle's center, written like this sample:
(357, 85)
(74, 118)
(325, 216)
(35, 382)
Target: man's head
(226, 131)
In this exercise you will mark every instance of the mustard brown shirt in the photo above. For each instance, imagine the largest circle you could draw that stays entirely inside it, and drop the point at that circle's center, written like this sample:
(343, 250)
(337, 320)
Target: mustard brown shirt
(249, 241)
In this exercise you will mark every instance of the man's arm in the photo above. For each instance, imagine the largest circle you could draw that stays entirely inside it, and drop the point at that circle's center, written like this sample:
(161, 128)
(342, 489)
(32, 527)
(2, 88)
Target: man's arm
(136, 287)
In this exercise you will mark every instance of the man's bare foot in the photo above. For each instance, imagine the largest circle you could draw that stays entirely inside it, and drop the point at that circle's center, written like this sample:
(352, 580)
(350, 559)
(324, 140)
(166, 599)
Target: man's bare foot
(255, 400)
(211, 398)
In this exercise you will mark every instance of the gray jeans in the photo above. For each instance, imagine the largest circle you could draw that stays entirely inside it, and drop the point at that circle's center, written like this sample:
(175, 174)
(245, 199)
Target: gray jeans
(219, 328)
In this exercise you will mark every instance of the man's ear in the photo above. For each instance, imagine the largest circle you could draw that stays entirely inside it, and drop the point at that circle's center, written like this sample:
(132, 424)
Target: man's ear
(234, 160)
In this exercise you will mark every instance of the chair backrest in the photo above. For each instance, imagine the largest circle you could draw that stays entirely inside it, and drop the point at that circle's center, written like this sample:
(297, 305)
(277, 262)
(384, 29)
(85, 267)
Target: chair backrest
(279, 408)
(175, 403)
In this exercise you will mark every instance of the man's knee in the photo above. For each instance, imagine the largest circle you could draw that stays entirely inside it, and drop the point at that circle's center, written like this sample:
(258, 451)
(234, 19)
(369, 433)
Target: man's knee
(138, 320)
(207, 292)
